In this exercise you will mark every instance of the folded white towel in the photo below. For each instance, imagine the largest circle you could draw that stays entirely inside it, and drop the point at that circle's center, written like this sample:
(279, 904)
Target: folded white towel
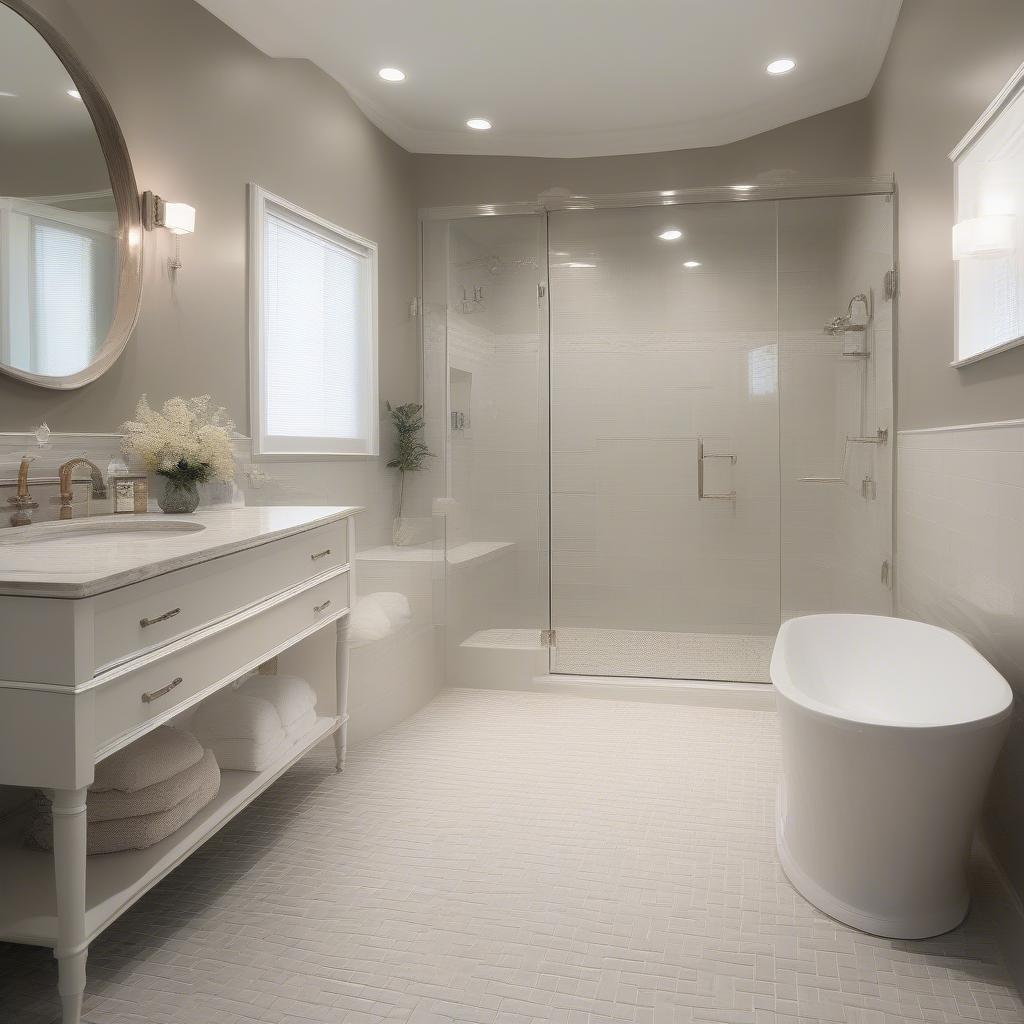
(367, 623)
(291, 696)
(156, 757)
(244, 755)
(234, 714)
(395, 606)
(298, 729)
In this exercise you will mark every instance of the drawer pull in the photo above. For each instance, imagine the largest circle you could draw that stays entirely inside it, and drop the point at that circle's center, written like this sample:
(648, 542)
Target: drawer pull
(318, 608)
(320, 554)
(159, 618)
(148, 698)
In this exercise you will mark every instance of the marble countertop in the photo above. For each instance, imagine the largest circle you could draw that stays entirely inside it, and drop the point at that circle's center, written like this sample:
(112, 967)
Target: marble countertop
(53, 565)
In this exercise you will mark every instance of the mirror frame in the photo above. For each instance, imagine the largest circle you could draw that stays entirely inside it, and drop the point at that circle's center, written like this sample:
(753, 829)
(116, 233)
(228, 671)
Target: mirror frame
(126, 200)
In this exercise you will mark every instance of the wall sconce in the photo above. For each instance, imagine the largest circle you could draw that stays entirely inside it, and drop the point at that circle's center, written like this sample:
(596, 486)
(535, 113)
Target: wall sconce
(178, 218)
(983, 236)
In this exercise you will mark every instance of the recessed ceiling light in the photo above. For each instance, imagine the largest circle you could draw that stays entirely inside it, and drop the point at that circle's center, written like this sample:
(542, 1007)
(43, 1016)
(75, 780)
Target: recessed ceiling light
(479, 124)
(582, 266)
(8, 95)
(741, 188)
(691, 264)
(74, 94)
(671, 234)
(391, 75)
(781, 66)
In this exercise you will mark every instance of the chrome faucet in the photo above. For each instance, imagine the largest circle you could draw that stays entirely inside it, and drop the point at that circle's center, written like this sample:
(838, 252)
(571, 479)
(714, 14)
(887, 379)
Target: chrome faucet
(99, 488)
(22, 500)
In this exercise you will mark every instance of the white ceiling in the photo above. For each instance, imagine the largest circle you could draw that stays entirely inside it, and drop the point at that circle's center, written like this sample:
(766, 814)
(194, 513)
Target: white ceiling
(569, 78)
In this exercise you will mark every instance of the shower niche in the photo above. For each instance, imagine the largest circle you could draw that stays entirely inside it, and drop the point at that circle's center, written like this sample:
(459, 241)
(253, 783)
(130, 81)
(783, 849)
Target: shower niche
(679, 440)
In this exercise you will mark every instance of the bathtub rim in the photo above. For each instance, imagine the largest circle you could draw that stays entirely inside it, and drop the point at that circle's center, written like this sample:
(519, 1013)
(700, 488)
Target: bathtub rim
(787, 689)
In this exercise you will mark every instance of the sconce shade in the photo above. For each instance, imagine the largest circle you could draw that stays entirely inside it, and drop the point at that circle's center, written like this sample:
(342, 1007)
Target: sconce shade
(179, 218)
(983, 236)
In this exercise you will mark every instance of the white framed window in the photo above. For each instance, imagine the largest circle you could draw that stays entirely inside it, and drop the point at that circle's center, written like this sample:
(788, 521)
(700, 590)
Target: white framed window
(312, 333)
(988, 236)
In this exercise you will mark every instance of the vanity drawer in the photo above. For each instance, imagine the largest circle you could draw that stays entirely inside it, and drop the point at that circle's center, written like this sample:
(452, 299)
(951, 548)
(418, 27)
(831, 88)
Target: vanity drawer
(147, 615)
(169, 684)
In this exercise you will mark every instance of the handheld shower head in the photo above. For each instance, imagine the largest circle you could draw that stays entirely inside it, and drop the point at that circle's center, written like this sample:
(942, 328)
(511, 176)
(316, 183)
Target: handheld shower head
(852, 320)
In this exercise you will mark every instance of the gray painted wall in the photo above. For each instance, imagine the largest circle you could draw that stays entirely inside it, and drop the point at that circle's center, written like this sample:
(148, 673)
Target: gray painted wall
(204, 112)
(947, 61)
(52, 168)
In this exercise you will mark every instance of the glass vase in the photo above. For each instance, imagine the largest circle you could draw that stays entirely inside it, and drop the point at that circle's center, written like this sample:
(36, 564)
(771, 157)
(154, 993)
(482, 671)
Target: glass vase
(403, 531)
(179, 497)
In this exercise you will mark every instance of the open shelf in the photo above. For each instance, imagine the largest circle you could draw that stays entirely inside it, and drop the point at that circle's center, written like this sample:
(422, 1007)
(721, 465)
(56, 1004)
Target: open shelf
(114, 881)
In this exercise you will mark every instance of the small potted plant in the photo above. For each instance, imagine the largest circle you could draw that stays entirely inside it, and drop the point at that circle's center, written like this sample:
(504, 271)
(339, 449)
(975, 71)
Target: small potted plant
(411, 453)
(188, 442)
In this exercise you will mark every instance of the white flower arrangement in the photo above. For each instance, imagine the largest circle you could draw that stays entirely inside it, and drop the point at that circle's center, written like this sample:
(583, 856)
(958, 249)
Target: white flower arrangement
(187, 441)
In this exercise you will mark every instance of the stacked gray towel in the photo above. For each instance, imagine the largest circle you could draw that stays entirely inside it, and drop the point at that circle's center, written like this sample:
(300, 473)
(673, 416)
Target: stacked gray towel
(141, 794)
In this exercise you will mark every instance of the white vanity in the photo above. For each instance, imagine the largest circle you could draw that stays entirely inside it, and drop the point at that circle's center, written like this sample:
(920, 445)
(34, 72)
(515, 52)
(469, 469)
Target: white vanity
(112, 626)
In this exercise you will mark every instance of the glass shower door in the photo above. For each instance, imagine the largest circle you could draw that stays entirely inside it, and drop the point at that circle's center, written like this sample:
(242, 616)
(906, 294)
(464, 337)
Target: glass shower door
(665, 503)
(836, 317)
(485, 330)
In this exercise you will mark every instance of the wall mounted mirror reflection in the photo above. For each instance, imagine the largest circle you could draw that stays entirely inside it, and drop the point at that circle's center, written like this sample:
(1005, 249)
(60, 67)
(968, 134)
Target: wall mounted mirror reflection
(70, 226)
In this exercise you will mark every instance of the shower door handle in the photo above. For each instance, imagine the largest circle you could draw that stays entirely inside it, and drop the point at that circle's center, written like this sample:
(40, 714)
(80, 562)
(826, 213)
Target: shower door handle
(701, 496)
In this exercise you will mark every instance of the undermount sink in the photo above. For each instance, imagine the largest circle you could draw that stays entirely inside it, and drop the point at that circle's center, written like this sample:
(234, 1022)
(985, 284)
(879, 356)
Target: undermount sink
(92, 532)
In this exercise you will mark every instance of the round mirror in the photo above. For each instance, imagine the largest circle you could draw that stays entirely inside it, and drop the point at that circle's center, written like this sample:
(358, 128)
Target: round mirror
(70, 218)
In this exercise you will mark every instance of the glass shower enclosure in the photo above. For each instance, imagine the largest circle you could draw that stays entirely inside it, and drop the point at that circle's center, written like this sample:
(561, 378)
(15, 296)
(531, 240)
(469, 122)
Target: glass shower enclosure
(666, 426)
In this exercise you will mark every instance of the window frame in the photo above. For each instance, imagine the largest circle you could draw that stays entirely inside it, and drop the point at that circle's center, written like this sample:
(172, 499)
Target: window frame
(989, 121)
(264, 447)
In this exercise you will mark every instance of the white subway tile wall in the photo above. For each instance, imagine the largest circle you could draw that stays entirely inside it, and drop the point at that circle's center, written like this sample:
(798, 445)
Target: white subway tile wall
(961, 524)
(648, 358)
(960, 532)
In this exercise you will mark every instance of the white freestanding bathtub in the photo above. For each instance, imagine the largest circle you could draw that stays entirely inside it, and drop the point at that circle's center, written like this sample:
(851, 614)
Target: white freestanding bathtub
(890, 729)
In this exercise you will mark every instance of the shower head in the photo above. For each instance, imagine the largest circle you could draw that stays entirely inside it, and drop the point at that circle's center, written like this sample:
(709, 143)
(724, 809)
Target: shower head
(851, 321)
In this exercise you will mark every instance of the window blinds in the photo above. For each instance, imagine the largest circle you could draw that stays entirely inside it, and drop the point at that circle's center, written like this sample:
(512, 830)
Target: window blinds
(316, 338)
(64, 317)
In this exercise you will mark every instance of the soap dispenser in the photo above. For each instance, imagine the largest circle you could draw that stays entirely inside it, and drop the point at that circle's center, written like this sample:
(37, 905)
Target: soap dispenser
(130, 490)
